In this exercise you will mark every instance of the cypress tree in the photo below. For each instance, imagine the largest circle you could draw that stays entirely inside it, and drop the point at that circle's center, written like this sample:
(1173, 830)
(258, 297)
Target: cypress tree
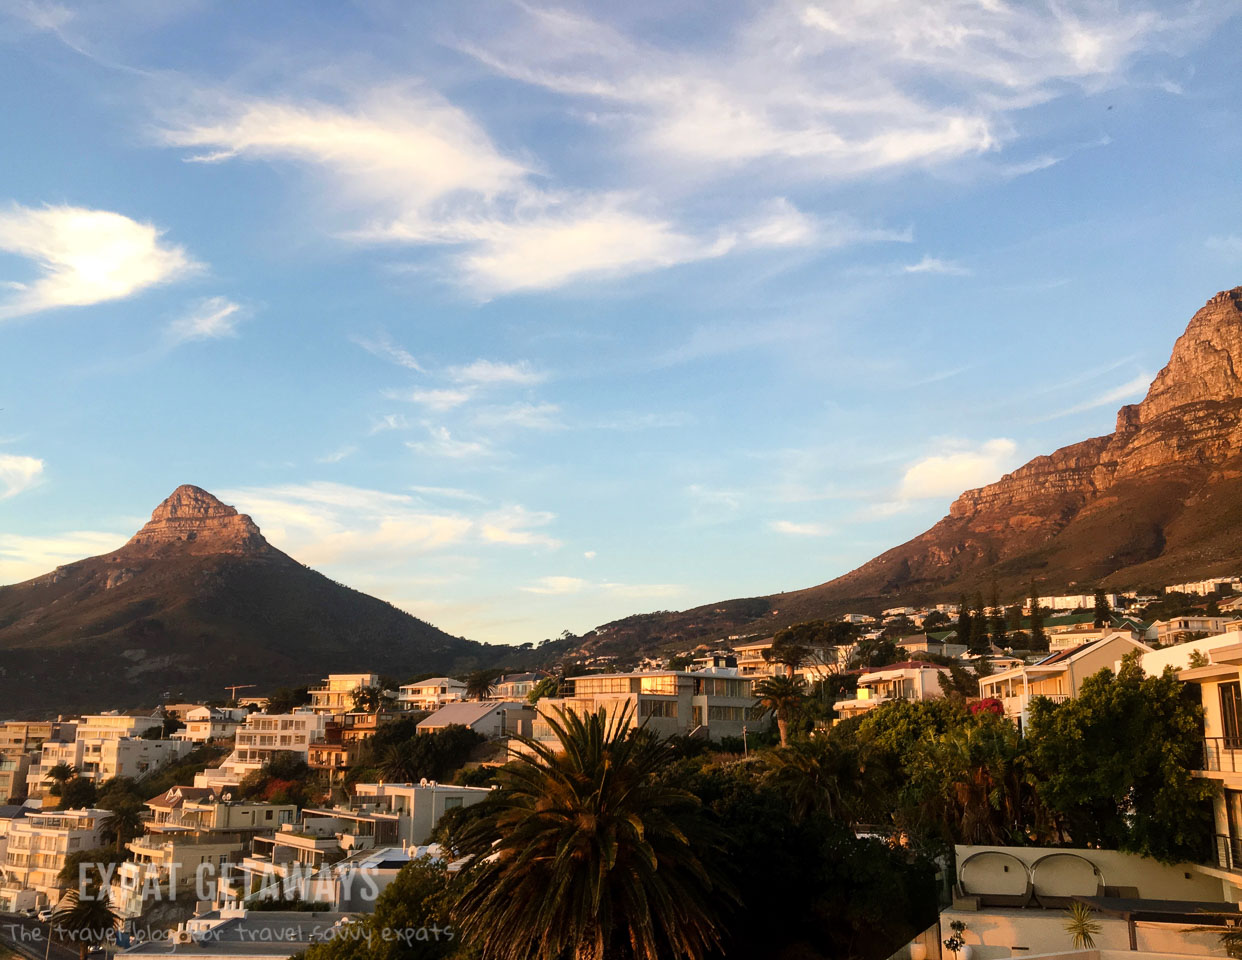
(1039, 639)
(978, 641)
(1103, 612)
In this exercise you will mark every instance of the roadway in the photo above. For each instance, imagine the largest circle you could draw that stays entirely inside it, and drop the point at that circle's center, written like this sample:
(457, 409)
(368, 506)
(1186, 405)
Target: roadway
(28, 937)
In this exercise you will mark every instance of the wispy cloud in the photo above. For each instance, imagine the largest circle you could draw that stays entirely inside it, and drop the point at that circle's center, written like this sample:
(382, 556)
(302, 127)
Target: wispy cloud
(437, 399)
(18, 474)
(931, 264)
(1130, 390)
(801, 529)
(83, 257)
(336, 456)
(383, 347)
(557, 586)
(492, 372)
(527, 416)
(208, 319)
(440, 442)
(24, 557)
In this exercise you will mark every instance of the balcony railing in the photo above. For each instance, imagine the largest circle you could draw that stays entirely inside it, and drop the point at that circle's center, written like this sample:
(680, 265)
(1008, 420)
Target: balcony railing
(1229, 852)
(1222, 754)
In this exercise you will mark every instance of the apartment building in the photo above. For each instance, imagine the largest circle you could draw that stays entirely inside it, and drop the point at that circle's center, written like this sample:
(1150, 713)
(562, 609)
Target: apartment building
(164, 867)
(202, 810)
(38, 846)
(711, 703)
(336, 695)
(1177, 629)
(260, 738)
(1058, 676)
(821, 662)
(105, 746)
(431, 694)
(518, 686)
(211, 723)
(908, 680)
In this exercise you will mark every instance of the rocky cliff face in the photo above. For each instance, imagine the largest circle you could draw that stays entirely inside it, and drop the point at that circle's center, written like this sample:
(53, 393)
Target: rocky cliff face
(1157, 501)
(192, 521)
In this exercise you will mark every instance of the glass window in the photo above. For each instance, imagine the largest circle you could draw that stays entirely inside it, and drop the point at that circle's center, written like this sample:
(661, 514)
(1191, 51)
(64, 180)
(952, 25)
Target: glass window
(657, 708)
(1231, 714)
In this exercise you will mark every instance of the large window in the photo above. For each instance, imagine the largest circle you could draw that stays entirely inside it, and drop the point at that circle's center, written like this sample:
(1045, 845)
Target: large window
(659, 685)
(588, 686)
(1231, 714)
(657, 708)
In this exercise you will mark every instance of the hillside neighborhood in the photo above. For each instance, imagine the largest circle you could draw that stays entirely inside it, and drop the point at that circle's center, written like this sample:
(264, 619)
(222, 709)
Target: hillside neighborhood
(204, 821)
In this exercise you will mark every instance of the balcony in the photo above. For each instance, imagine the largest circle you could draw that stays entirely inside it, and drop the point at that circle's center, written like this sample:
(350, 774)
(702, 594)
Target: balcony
(1222, 754)
(1229, 853)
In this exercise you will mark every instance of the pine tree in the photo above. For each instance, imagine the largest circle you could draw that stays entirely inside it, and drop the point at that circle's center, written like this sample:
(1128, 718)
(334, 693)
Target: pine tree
(1039, 639)
(978, 640)
(997, 618)
(1103, 612)
(963, 620)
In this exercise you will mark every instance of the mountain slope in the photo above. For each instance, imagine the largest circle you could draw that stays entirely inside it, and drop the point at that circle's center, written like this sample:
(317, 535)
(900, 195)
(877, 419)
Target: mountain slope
(195, 600)
(1159, 500)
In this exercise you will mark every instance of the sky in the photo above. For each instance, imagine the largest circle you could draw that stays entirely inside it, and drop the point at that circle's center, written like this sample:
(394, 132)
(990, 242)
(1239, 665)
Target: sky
(528, 317)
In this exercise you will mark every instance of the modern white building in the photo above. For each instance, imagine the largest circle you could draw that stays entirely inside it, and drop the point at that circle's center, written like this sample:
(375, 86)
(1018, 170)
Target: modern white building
(38, 845)
(260, 738)
(431, 694)
(105, 746)
(908, 680)
(211, 723)
(337, 693)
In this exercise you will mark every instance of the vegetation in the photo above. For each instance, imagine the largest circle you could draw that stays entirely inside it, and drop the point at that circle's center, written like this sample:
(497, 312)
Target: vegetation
(84, 918)
(432, 755)
(783, 697)
(481, 684)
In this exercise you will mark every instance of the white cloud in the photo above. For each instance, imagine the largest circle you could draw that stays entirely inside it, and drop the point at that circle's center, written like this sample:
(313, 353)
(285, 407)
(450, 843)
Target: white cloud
(556, 586)
(935, 265)
(383, 347)
(564, 586)
(1130, 390)
(336, 456)
(948, 474)
(209, 319)
(711, 504)
(18, 474)
(442, 443)
(452, 493)
(438, 400)
(491, 372)
(801, 529)
(589, 555)
(832, 87)
(389, 421)
(24, 557)
(527, 416)
(84, 257)
(516, 525)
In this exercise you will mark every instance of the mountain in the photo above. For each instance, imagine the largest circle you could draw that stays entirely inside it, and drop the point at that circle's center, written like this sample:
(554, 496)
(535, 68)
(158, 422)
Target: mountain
(195, 600)
(1157, 501)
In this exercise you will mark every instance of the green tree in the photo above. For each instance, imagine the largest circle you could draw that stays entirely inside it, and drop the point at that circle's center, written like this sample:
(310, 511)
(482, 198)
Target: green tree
(547, 687)
(76, 794)
(90, 876)
(1114, 764)
(1103, 612)
(286, 699)
(964, 626)
(782, 697)
(822, 776)
(978, 640)
(787, 654)
(1039, 639)
(1014, 616)
(84, 919)
(996, 617)
(935, 620)
(60, 774)
(372, 699)
(126, 819)
(591, 854)
(481, 684)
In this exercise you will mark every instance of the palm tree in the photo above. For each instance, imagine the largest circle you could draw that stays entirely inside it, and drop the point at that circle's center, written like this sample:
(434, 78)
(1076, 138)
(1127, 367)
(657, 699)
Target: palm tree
(125, 821)
(84, 918)
(371, 699)
(481, 684)
(586, 854)
(397, 765)
(783, 698)
(60, 774)
(789, 655)
(824, 775)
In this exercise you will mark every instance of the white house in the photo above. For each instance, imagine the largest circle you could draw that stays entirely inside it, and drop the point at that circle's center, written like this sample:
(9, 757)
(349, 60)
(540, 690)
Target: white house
(38, 846)
(261, 737)
(908, 680)
(431, 694)
(211, 723)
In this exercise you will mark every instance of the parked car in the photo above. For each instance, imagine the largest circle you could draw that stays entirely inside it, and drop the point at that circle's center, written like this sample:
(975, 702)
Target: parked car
(45, 915)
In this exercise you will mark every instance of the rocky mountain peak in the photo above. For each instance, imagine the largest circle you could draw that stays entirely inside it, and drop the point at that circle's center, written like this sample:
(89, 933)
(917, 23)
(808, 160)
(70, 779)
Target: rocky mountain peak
(193, 521)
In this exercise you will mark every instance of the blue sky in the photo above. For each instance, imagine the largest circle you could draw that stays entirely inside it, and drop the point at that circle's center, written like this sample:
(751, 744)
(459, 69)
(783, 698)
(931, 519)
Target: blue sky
(528, 317)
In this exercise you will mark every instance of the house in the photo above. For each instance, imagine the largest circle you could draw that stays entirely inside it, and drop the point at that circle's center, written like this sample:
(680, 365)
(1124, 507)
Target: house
(940, 644)
(261, 737)
(1176, 629)
(38, 846)
(9, 813)
(167, 866)
(355, 883)
(1057, 676)
(211, 723)
(857, 618)
(431, 694)
(518, 686)
(1216, 586)
(908, 680)
(491, 718)
(105, 746)
(707, 703)
(821, 663)
(337, 693)
(341, 744)
(234, 933)
(203, 810)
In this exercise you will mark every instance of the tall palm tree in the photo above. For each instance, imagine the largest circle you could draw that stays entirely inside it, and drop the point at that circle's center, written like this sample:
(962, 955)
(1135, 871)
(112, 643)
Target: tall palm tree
(825, 775)
(585, 854)
(481, 684)
(783, 698)
(84, 918)
(60, 774)
(125, 821)
(398, 762)
(371, 699)
(789, 655)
